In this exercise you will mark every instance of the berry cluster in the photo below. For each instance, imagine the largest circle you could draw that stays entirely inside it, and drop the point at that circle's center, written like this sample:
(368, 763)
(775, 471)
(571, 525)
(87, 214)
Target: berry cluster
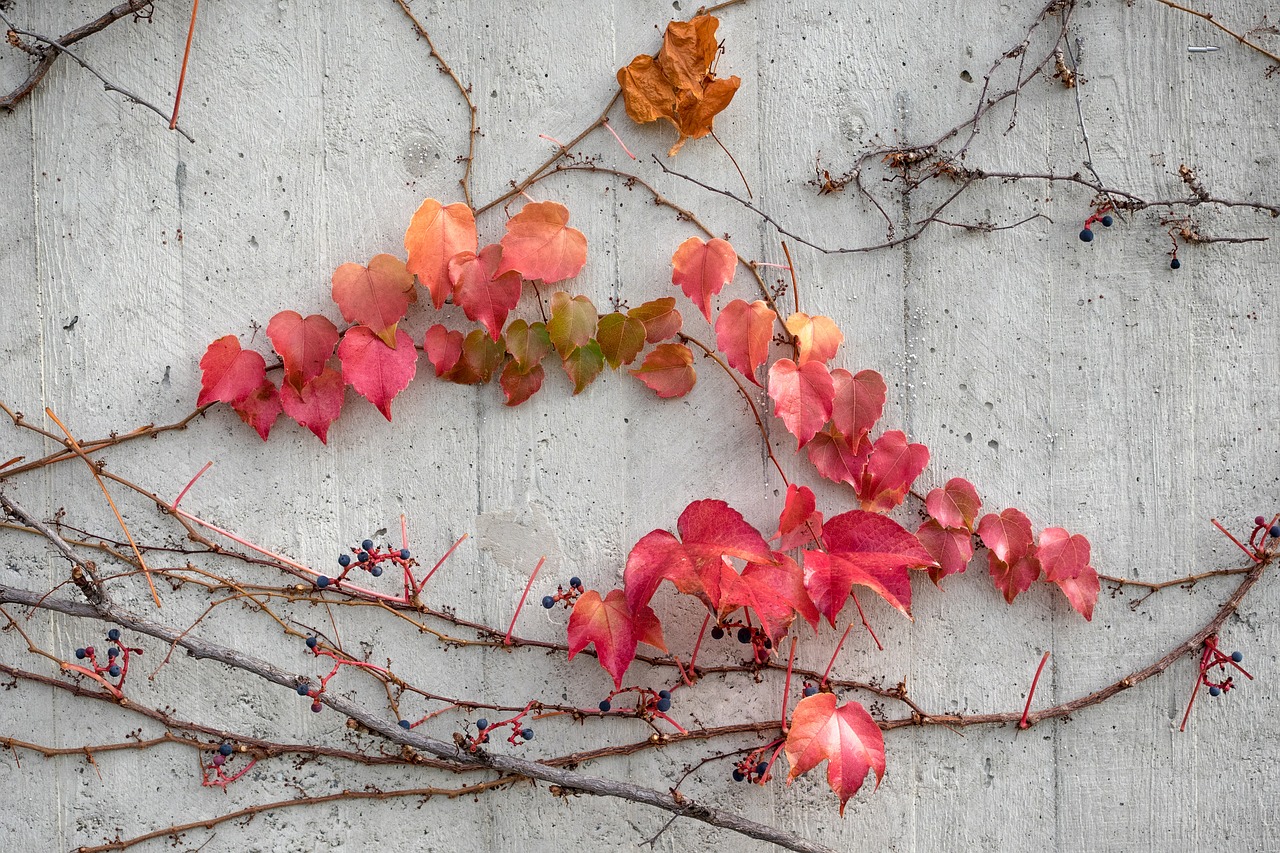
(117, 662)
(761, 644)
(1100, 215)
(214, 774)
(520, 733)
(1262, 529)
(1212, 658)
(753, 768)
(648, 702)
(305, 688)
(368, 558)
(568, 596)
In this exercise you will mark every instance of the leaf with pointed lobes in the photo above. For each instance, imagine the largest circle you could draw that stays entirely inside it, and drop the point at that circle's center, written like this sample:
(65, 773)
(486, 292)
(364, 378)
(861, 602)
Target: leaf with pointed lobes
(890, 470)
(744, 331)
(818, 337)
(951, 548)
(667, 370)
(614, 628)
(1007, 535)
(228, 373)
(1013, 579)
(261, 408)
(573, 322)
(846, 737)
(303, 344)
(482, 294)
(709, 531)
(835, 456)
(702, 270)
(620, 337)
(802, 396)
(1082, 591)
(435, 235)
(317, 404)
(443, 347)
(528, 344)
(660, 317)
(377, 372)
(774, 592)
(539, 244)
(1063, 556)
(858, 403)
(797, 508)
(519, 385)
(376, 296)
(868, 549)
(481, 356)
(955, 505)
(583, 364)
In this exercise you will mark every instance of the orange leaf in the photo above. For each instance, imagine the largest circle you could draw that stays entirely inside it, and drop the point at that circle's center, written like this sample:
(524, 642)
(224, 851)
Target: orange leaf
(436, 233)
(743, 333)
(540, 244)
(702, 270)
(819, 337)
(660, 317)
(375, 296)
(845, 737)
(304, 344)
(668, 370)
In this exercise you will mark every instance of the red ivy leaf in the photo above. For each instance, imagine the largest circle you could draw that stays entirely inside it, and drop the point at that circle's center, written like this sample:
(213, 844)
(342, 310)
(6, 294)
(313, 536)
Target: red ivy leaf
(1007, 535)
(1063, 556)
(316, 404)
(540, 244)
(436, 233)
(621, 338)
(863, 548)
(1082, 591)
(818, 337)
(614, 628)
(583, 364)
(376, 296)
(519, 385)
(890, 470)
(952, 549)
(743, 333)
(702, 270)
(1013, 579)
(668, 370)
(656, 556)
(858, 403)
(847, 738)
(483, 295)
(835, 457)
(377, 372)
(443, 347)
(660, 317)
(775, 592)
(955, 505)
(802, 396)
(798, 508)
(304, 345)
(261, 408)
(229, 373)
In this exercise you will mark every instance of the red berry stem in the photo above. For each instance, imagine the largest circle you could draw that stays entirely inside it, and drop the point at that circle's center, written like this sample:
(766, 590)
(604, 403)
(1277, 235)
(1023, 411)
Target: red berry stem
(698, 644)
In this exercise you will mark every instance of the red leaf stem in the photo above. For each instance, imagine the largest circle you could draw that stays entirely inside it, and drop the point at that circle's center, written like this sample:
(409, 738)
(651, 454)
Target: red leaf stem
(506, 641)
(1023, 724)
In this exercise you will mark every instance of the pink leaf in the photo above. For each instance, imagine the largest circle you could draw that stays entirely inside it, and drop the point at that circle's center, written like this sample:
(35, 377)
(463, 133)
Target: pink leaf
(859, 402)
(817, 337)
(443, 347)
(802, 396)
(261, 408)
(316, 404)
(950, 548)
(1013, 579)
(702, 270)
(657, 556)
(955, 505)
(1063, 556)
(483, 295)
(891, 469)
(798, 508)
(540, 244)
(435, 234)
(868, 549)
(847, 738)
(835, 457)
(743, 333)
(1082, 591)
(375, 370)
(1007, 535)
(230, 373)
(304, 345)
(376, 296)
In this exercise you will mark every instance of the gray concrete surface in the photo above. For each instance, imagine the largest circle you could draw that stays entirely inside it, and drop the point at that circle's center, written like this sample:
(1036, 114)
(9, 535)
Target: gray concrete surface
(1088, 385)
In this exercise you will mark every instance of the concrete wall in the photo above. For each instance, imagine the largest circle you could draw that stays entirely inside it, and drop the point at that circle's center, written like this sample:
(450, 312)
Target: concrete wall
(1089, 385)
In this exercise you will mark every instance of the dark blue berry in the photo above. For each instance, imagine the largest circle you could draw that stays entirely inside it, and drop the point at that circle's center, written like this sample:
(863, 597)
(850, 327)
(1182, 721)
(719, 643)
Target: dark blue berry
(225, 749)
(322, 581)
(344, 560)
(1214, 691)
(312, 642)
(363, 556)
(114, 671)
(548, 601)
(113, 634)
(717, 633)
(404, 553)
(303, 689)
(113, 652)
(744, 635)
(664, 705)
(527, 734)
(1107, 220)
(1275, 531)
(810, 689)
(1086, 235)
(367, 544)
(376, 571)
(575, 582)
(482, 723)
(1237, 656)
(738, 775)
(316, 707)
(605, 706)
(1174, 264)
(664, 694)
(768, 644)
(761, 768)
(405, 724)
(81, 654)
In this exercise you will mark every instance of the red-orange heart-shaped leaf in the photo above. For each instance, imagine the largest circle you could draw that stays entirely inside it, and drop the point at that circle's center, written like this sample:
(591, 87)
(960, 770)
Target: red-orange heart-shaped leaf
(660, 317)
(539, 244)
(484, 295)
(304, 344)
(858, 403)
(229, 374)
(743, 333)
(702, 270)
(317, 404)
(614, 629)
(835, 457)
(951, 548)
(802, 396)
(519, 385)
(376, 296)
(846, 737)
(890, 470)
(1063, 555)
(377, 371)
(818, 337)
(443, 347)
(668, 370)
(955, 505)
(435, 235)
(261, 408)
